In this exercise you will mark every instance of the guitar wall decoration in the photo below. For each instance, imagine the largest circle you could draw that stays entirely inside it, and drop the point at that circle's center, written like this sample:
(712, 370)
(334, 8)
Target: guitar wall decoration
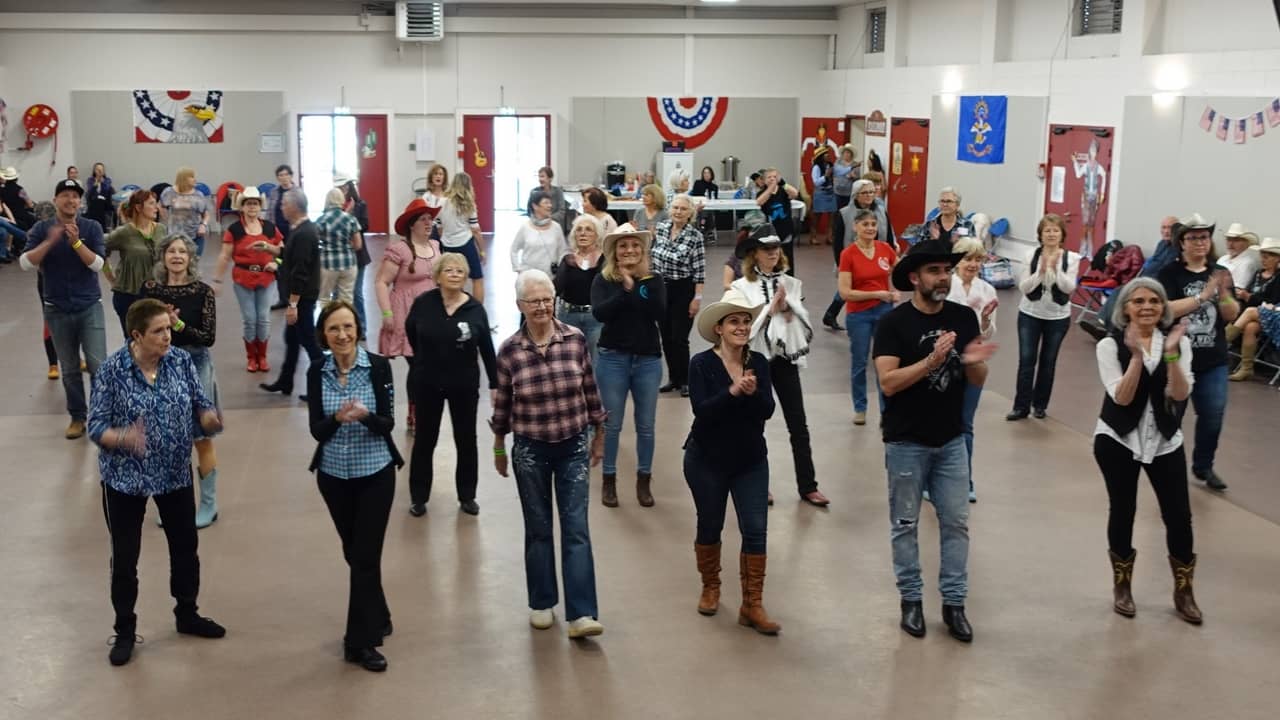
(481, 160)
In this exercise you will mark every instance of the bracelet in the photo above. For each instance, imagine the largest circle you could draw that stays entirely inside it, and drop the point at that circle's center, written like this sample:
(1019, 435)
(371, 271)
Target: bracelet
(387, 313)
(499, 452)
(1172, 357)
(77, 244)
(179, 325)
(1226, 300)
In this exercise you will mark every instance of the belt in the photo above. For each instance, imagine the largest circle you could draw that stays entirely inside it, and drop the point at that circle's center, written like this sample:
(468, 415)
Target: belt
(254, 268)
(570, 307)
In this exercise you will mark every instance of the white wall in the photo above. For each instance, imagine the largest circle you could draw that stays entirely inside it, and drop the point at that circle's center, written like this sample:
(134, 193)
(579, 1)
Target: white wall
(1200, 26)
(943, 31)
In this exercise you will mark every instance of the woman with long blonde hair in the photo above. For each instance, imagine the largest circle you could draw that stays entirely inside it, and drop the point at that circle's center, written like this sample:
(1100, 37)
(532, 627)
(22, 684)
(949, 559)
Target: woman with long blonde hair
(184, 209)
(460, 230)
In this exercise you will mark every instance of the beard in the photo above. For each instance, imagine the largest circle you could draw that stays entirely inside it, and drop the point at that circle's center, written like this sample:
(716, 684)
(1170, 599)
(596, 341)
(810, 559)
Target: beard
(938, 295)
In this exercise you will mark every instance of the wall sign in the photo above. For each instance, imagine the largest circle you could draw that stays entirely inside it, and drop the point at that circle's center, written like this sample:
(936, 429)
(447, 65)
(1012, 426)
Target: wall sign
(877, 125)
(981, 124)
(271, 142)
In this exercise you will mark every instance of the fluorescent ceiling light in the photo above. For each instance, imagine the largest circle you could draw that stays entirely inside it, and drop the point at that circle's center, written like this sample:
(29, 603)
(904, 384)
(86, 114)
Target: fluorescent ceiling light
(719, 2)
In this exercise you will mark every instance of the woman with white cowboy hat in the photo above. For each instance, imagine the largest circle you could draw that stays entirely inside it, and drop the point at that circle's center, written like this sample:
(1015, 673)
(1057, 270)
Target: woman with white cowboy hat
(782, 334)
(251, 245)
(1260, 315)
(1242, 254)
(725, 453)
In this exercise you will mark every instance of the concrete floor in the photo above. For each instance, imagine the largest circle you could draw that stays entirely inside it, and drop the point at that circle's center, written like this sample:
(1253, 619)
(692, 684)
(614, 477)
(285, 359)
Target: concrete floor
(1047, 645)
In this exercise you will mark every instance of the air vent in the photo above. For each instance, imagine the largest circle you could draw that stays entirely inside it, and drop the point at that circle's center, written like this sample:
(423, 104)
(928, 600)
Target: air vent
(419, 21)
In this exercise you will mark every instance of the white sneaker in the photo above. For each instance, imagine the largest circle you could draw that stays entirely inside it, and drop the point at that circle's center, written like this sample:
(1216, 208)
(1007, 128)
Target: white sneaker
(585, 626)
(542, 619)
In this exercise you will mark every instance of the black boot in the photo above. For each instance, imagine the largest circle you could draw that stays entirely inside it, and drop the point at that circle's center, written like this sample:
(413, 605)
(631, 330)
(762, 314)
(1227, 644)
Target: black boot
(368, 658)
(122, 644)
(957, 623)
(191, 623)
(913, 618)
(277, 386)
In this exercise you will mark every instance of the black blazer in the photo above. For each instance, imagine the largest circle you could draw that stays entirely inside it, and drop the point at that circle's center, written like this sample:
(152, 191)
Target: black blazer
(380, 422)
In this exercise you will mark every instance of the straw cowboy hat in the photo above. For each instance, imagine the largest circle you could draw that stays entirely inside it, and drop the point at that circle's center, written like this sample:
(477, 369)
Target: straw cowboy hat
(416, 208)
(1270, 245)
(820, 151)
(626, 230)
(921, 254)
(1237, 230)
(732, 302)
(249, 193)
(9, 173)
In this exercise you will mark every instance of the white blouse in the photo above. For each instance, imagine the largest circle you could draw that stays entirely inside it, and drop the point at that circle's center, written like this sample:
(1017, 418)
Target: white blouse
(537, 247)
(980, 293)
(1145, 441)
(1029, 278)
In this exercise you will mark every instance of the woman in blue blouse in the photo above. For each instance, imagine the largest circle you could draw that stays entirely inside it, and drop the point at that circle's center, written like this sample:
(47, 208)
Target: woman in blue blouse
(146, 406)
(350, 396)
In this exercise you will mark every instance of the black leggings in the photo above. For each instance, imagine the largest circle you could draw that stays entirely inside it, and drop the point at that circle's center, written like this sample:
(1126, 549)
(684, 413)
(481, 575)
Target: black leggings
(1168, 476)
(360, 508)
(675, 327)
(785, 377)
(463, 403)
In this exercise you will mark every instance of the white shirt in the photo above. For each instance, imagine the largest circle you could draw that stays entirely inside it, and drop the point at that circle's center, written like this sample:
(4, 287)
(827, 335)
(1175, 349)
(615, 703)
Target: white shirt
(536, 247)
(1243, 266)
(455, 230)
(1029, 278)
(1145, 441)
(777, 336)
(979, 294)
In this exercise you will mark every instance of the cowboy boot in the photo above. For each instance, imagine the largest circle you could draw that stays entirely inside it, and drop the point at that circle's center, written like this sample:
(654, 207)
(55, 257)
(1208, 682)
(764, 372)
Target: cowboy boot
(643, 495)
(1184, 599)
(1122, 572)
(263, 365)
(207, 512)
(752, 612)
(251, 355)
(709, 565)
(1233, 332)
(610, 495)
(1248, 351)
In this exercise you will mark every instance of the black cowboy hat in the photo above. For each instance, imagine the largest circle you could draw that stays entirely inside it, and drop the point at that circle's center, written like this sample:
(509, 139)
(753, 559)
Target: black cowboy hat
(920, 254)
(761, 236)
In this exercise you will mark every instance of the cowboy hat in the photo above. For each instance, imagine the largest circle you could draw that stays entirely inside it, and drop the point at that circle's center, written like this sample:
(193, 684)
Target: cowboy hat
(762, 236)
(732, 302)
(1237, 230)
(850, 148)
(1270, 245)
(9, 173)
(1192, 222)
(412, 211)
(820, 150)
(341, 178)
(626, 230)
(249, 193)
(920, 254)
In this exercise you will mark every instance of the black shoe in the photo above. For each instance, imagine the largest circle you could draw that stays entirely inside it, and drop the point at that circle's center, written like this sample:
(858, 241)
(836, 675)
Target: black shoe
(1017, 414)
(5, 260)
(1210, 479)
(666, 388)
(302, 398)
(470, 507)
(122, 648)
(368, 658)
(386, 631)
(913, 618)
(277, 386)
(1038, 414)
(418, 509)
(684, 391)
(831, 323)
(957, 623)
(280, 305)
(200, 626)
(1094, 330)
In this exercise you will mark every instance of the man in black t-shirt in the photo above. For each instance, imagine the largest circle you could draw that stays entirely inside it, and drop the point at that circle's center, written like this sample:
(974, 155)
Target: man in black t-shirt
(774, 200)
(926, 352)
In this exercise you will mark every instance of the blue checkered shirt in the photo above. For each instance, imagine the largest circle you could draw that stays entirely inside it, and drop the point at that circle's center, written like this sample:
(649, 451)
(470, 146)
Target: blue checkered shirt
(354, 451)
(336, 228)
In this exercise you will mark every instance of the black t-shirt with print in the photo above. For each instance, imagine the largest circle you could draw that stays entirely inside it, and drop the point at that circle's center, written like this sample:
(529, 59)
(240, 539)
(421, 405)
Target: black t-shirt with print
(1206, 328)
(778, 210)
(929, 412)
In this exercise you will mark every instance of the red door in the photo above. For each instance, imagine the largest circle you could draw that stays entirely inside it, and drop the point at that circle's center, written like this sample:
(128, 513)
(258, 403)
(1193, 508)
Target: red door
(476, 150)
(908, 170)
(815, 132)
(1076, 183)
(371, 144)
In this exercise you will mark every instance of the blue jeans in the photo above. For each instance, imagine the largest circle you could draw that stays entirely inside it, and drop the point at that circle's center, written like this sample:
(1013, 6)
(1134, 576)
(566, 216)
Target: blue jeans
(589, 325)
(1209, 398)
(1038, 345)
(8, 229)
(861, 327)
(913, 469)
(566, 464)
(255, 310)
(711, 486)
(357, 299)
(72, 333)
(617, 374)
(972, 394)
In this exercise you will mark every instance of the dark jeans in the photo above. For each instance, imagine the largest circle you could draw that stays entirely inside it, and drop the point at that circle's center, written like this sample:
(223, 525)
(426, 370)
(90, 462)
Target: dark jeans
(429, 410)
(1038, 345)
(711, 486)
(360, 508)
(786, 385)
(301, 334)
(120, 302)
(1168, 476)
(124, 515)
(1209, 398)
(675, 327)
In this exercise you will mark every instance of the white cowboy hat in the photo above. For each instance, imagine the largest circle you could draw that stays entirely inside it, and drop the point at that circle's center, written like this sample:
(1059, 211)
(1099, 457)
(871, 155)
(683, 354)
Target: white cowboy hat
(341, 178)
(1237, 230)
(9, 173)
(249, 193)
(1270, 245)
(732, 302)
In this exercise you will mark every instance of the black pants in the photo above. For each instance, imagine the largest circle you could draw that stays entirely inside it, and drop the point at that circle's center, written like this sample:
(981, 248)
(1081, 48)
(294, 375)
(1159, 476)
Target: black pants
(124, 514)
(360, 508)
(789, 250)
(120, 302)
(785, 377)
(430, 402)
(1168, 476)
(300, 335)
(675, 327)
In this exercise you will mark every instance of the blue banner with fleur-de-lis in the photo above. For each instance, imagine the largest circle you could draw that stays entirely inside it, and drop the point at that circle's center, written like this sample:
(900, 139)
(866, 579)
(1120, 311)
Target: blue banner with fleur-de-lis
(982, 123)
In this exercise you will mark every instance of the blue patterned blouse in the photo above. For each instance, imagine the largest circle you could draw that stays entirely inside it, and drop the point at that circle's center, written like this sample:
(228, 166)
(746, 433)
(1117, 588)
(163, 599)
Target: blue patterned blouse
(170, 410)
(354, 451)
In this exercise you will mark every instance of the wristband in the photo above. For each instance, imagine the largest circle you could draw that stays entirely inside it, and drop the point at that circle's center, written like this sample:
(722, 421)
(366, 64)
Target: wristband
(387, 313)
(499, 452)
(179, 325)
(697, 297)
(1172, 357)
(76, 245)
(1226, 300)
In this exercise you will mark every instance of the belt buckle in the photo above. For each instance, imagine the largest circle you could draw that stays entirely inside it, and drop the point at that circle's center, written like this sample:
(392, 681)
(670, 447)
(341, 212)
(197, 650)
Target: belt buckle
(255, 268)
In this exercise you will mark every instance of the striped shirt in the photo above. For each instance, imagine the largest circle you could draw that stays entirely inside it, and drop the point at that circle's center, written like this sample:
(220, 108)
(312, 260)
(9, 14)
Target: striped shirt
(681, 257)
(550, 397)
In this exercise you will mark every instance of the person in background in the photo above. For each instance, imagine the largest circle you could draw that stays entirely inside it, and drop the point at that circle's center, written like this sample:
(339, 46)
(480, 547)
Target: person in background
(679, 258)
(147, 404)
(652, 211)
(726, 454)
(951, 224)
(340, 238)
(250, 245)
(284, 183)
(437, 185)
(844, 231)
(98, 197)
(539, 242)
(16, 199)
(706, 186)
(1165, 252)
(135, 244)
(302, 267)
(9, 233)
(1242, 257)
(1044, 316)
(184, 209)
(1260, 315)
(559, 206)
(460, 233)
(595, 202)
(774, 200)
(575, 274)
(865, 266)
(677, 183)
(824, 195)
(358, 209)
(969, 289)
(351, 396)
(644, 180)
(846, 171)
(547, 398)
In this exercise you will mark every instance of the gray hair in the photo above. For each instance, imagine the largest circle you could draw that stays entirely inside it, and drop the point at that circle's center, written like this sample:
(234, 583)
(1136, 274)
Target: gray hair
(950, 190)
(858, 185)
(1120, 320)
(590, 221)
(863, 214)
(527, 279)
(297, 197)
(335, 198)
(682, 196)
(678, 175)
(161, 273)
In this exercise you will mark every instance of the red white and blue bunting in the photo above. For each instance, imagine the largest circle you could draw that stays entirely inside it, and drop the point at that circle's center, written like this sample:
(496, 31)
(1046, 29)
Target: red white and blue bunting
(1238, 130)
(177, 116)
(691, 120)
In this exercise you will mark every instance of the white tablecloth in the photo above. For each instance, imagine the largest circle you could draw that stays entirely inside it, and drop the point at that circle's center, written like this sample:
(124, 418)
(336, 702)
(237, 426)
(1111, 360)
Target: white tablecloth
(721, 205)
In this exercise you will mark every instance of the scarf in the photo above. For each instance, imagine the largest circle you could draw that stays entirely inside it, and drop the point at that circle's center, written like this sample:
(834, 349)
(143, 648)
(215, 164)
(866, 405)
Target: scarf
(543, 222)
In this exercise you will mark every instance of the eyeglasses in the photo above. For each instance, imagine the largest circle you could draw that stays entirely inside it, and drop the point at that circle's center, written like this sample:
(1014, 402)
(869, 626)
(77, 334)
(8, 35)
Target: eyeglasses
(946, 202)
(1199, 239)
(540, 302)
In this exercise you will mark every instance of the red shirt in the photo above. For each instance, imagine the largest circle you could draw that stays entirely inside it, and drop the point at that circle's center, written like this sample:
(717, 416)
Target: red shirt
(245, 256)
(869, 274)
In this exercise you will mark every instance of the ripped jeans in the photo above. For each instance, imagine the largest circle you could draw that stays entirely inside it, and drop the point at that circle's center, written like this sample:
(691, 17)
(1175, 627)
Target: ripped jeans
(944, 472)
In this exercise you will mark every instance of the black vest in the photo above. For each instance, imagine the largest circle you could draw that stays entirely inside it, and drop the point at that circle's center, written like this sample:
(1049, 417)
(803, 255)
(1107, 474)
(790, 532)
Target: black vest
(1058, 296)
(1125, 418)
(237, 229)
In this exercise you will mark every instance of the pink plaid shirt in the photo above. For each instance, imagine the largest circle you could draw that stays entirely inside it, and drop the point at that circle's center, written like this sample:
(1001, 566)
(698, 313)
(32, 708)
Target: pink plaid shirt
(548, 398)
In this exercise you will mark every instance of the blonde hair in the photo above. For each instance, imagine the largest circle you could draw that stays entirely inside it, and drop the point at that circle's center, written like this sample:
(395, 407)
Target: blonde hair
(590, 221)
(655, 194)
(185, 181)
(749, 263)
(447, 260)
(610, 269)
(971, 247)
(460, 193)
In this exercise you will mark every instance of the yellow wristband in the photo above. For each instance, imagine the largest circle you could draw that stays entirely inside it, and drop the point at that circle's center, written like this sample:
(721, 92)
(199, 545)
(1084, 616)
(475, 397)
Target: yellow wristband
(179, 325)
(76, 245)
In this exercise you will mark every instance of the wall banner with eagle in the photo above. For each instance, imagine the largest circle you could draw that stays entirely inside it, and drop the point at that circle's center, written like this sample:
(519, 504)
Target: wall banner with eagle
(177, 116)
(982, 125)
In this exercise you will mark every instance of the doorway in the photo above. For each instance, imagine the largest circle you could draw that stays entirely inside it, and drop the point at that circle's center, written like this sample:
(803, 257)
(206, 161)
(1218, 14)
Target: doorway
(908, 169)
(351, 145)
(502, 154)
(857, 137)
(1076, 183)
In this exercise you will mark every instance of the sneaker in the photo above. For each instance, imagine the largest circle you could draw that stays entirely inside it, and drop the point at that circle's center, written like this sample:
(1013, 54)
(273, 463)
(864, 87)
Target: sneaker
(200, 627)
(1210, 479)
(925, 496)
(585, 627)
(542, 619)
(418, 509)
(859, 418)
(973, 496)
(75, 430)
(122, 648)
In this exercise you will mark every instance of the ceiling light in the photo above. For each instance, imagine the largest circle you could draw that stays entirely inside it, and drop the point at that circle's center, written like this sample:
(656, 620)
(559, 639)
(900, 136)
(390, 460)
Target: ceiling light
(719, 2)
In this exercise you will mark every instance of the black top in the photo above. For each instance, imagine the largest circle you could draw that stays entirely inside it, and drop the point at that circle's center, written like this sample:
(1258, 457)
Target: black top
(196, 308)
(1207, 329)
(728, 428)
(1263, 289)
(445, 346)
(929, 412)
(777, 209)
(702, 188)
(1125, 418)
(302, 260)
(380, 422)
(630, 317)
(573, 284)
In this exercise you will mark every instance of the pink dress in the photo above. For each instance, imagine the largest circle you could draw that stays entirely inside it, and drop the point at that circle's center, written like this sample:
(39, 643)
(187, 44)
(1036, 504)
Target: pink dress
(406, 287)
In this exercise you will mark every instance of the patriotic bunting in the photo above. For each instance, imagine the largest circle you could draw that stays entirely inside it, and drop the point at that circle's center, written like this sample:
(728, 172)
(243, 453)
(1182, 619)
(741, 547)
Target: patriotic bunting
(1238, 130)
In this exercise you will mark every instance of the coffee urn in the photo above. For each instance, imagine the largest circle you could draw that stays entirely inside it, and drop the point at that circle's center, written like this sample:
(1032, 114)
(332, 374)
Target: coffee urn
(730, 163)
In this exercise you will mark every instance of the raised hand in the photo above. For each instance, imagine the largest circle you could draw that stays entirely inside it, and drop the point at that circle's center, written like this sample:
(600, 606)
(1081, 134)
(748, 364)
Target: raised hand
(978, 351)
(210, 421)
(1174, 336)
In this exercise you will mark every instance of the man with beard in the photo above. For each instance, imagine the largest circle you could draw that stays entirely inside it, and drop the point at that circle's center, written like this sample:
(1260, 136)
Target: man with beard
(926, 352)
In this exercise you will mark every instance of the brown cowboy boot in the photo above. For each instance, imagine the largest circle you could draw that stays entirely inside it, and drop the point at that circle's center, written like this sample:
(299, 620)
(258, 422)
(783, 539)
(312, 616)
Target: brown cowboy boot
(752, 613)
(709, 565)
(1184, 599)
(1122, 571)
(609, 497)
(1248, 351)
(1233, 332)
(643, 495)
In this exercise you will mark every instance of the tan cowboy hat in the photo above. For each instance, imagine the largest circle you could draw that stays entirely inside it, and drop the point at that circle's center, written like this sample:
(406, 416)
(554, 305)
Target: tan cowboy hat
(249, 193)
(732, 302)
(624, 231)
(1270, 245)
(1194, 221)
(850, 148)
(1237, 230)
(9, 173)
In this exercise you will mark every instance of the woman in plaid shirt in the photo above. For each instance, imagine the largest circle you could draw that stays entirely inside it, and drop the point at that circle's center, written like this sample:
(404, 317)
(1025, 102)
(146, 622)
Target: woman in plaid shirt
(678, 257)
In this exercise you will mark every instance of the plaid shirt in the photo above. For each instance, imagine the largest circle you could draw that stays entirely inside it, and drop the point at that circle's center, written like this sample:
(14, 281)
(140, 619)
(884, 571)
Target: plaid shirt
(680, 258)
(354, 451)
(336, 228)
(548, 398)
